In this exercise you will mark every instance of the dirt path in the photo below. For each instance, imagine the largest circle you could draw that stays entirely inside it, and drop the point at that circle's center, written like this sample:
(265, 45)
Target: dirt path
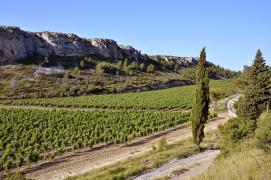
(94, 158)
(183, 168)
(88, 159)
(196, 164)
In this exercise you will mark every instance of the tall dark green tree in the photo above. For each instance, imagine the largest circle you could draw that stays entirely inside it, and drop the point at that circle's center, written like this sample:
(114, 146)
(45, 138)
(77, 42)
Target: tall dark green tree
(258, 89)
(201, 102)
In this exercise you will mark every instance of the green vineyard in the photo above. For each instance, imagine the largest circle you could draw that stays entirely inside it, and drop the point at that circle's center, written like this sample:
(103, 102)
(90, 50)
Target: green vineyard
(179, 97)
(30, 135)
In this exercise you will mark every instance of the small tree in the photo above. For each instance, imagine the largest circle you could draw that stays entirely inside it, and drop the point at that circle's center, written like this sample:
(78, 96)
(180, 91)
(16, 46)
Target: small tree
(76, 72)
(216, 94)
(162, 144)
(200, 108)
(258, 89)
(82, 64)
(142, 67)
(150, 68)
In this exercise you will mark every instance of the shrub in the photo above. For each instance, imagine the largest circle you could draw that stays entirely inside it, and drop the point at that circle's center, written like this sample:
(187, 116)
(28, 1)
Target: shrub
(16, 176)
(234, 131)
(247, 109)
(162, 144)
(33, 156)
(108, 68)
(82, 64)
(263, 132)
(142, 67)
(188, 74)
(150, 68)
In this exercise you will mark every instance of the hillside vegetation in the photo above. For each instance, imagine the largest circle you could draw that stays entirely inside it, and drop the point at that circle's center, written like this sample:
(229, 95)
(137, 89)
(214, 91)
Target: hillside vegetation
(246, 140)
(179, 98)
(90, 76)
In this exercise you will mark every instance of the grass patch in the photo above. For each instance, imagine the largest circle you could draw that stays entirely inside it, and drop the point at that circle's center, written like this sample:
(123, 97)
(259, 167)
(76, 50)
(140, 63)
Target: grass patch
(139, 164)
(243, 163)
(149, 160)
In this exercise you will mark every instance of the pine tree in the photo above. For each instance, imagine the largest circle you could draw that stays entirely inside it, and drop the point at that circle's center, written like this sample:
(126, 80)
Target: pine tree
(201, 103)
(258, 89)
(259, 84)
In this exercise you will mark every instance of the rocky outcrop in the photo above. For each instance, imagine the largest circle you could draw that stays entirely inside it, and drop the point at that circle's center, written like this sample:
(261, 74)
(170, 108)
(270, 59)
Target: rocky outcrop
(16, 44)
(182, 61)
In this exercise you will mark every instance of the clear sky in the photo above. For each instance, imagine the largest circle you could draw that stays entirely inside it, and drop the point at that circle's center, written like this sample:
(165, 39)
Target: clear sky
(231, 30)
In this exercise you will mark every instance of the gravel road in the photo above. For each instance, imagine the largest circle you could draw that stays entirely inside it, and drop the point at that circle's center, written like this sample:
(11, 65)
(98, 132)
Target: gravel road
(192, 165)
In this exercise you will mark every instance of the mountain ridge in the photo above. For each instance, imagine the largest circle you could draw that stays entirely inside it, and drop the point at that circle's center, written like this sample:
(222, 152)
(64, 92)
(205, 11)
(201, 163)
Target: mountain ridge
(17, 44)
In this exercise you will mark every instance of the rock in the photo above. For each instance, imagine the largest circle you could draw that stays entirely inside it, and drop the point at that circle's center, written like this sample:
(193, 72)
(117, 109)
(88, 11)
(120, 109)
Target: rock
(16, 44)
(182, 61)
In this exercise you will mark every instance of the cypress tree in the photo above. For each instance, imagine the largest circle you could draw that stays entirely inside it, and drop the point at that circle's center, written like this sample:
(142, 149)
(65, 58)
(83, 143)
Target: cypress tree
(258, 89)
(201, 102)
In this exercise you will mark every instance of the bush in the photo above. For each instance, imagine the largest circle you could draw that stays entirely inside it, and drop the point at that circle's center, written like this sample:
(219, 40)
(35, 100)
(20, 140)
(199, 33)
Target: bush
(150, 68)
(16, 176)
(108, 68)
(246, 109)
(82, 64)
(162, 144)
(33, 156)
(142, 67)
(263, 132)
(234, 131)
(188, 74)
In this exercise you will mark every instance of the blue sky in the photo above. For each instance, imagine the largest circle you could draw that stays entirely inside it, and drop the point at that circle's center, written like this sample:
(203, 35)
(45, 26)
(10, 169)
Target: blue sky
(231, 30)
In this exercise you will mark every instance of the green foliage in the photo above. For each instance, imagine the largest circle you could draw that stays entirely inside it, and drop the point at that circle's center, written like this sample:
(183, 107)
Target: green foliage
(27, 135)
(247, 109)
(217, 72)
(178, 97)
(244, 162)
(106, 68)
(234, 131)
(263, 132)
(200, 108)
(162, 144)
(216, 94)
(76, 72)
(243, 80)
(150, 68)
(258, 89)
(142, 67)
(131, 167)
(188, 74)
(82, 64)
(16, 176)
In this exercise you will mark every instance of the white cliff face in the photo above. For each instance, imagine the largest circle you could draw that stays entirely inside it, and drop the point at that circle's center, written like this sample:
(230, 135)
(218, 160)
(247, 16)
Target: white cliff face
(182, 61)
(16, 44)
(67, 44)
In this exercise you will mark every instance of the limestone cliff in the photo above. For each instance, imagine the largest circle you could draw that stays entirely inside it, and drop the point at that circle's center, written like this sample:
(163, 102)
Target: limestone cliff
(16, 44)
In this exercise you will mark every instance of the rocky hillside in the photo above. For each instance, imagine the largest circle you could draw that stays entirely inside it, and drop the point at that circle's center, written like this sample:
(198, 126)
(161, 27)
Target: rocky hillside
(16, 45)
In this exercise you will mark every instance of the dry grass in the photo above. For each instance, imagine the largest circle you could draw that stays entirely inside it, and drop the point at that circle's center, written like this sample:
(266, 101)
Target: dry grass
(245, 163)
(149, 160)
